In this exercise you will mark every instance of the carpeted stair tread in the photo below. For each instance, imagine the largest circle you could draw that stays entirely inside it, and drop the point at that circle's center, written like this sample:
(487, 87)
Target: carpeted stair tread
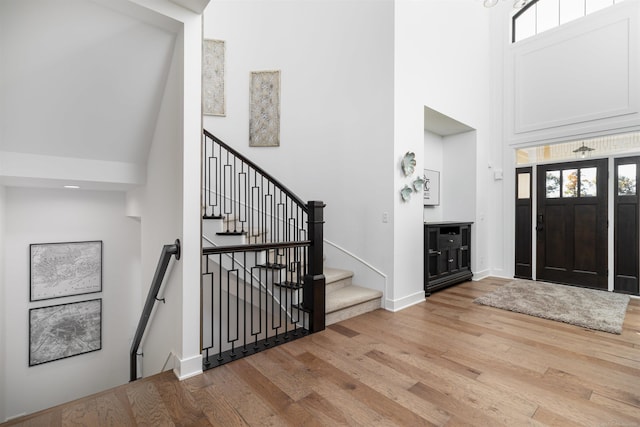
(335, 274)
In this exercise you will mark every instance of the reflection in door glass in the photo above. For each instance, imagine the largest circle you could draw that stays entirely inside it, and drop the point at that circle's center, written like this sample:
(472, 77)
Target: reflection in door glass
(627, 180)
(570, 183)
(553, 184)
(588, 182)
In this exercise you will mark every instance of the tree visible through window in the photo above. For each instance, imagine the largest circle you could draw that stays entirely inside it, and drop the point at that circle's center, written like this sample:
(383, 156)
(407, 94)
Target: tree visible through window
(581, 182)
(627, 179)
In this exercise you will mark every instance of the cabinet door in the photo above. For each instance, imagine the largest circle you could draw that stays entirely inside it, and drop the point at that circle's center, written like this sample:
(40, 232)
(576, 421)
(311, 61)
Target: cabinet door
(453, 259)
(443, 261)
(465, 261)
(433, 263)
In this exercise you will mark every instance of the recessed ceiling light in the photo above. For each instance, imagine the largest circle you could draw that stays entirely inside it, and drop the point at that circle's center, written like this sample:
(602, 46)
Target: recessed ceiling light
(71, 186)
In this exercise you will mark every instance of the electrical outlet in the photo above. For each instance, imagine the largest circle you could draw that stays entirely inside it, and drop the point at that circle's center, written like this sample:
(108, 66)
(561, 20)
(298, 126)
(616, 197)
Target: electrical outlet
(385, 217)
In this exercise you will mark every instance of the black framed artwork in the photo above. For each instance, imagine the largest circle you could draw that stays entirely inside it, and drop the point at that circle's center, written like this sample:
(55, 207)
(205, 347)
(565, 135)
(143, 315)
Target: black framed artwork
(64, 269)
(64, 330)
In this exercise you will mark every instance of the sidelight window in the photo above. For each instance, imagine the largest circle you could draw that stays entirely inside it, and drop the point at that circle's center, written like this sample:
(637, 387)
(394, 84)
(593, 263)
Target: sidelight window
(627, 180)
(524, 185)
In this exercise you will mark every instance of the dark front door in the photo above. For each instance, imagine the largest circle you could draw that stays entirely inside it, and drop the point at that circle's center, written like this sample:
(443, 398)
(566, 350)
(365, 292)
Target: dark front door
(571, 223)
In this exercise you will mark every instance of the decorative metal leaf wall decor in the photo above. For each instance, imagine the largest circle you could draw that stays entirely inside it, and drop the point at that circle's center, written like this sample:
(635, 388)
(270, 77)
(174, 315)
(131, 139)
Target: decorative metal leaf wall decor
(213, 102)
(264, 111)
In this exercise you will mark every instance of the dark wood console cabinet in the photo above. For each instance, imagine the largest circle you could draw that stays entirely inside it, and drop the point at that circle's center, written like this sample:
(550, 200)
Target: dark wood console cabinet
(447, 254)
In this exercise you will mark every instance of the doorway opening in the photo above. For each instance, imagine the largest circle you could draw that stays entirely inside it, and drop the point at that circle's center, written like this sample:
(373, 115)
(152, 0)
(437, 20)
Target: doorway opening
(575, 222)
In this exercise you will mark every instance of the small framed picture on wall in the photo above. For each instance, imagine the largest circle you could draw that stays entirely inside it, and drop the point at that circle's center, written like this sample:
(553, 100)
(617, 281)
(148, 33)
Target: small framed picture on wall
(431, 188)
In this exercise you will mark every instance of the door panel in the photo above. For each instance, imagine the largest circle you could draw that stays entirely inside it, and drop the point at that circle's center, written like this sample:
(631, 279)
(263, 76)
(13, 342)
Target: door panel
(585, 236)
(555, 228)
(626, 227)
(572, 223)
(523, 253)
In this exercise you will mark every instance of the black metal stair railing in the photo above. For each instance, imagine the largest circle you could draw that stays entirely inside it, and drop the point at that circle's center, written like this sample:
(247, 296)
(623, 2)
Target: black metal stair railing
(270, 288)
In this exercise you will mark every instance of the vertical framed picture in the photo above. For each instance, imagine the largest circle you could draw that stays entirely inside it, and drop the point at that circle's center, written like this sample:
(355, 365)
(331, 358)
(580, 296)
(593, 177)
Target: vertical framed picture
(64, 269)
(264, 109)
(213, 101)
(65, 330)
(431, 188)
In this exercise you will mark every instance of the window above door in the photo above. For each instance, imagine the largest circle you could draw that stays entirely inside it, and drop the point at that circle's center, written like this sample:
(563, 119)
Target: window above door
(604, 146)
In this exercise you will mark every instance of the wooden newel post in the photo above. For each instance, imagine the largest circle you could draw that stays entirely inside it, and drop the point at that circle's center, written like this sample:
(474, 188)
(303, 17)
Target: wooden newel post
(313, 293)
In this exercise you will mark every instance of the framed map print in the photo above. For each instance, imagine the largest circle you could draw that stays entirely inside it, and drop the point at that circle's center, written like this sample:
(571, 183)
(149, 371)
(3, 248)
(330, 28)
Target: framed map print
(60, 331)
(64, 269)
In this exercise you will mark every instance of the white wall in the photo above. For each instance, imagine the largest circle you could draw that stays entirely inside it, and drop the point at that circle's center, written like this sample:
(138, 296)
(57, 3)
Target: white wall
(81, 86)
(3, 319)
(442, 54)
(336, 60)
(170, 203)
(161, 207)
(433, 160)
(44, 215)
(459, 177)
(576, 80)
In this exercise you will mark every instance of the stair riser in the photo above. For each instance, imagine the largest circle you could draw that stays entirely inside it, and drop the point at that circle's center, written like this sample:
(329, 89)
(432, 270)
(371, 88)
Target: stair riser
(339, 284)
(355, 310)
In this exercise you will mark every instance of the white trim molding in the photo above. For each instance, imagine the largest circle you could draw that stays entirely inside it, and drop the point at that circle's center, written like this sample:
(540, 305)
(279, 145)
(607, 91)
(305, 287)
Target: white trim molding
(404, 302)
(187, 368)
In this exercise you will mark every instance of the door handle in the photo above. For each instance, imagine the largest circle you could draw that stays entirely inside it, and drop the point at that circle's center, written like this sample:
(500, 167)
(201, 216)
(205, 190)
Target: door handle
(540, 222)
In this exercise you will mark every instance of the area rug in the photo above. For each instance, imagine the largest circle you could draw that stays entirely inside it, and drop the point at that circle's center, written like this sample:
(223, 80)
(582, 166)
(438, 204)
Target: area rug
(588, 308)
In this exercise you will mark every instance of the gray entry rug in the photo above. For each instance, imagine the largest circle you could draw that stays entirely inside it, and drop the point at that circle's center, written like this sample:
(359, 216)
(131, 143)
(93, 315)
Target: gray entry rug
(589, 308)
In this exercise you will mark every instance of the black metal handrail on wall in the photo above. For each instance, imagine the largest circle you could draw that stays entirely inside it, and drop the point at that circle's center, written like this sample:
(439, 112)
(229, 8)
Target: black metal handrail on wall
(152, 297)
(270, 288)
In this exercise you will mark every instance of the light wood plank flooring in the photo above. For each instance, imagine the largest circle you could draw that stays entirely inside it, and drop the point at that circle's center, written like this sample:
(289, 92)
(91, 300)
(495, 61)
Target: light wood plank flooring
(446, 361)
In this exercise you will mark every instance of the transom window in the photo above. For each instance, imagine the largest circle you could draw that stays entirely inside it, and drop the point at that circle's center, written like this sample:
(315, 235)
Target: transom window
(541, 15)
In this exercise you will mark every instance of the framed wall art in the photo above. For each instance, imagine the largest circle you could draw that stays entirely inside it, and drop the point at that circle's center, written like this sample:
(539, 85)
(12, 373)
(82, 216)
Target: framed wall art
(213, 100)
(65, 330)
(64, 269)
(264, 109)
(431, 188)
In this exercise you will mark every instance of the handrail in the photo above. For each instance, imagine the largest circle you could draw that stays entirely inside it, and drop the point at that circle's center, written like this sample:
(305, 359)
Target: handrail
(361, 261)
(284, 189)
(254, 247)
(161, 269)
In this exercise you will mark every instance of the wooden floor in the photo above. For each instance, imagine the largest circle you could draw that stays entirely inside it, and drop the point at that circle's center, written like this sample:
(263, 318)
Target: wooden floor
(446, 361)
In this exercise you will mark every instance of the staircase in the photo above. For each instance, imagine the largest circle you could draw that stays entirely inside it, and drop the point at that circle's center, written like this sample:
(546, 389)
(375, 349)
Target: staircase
(343, 299)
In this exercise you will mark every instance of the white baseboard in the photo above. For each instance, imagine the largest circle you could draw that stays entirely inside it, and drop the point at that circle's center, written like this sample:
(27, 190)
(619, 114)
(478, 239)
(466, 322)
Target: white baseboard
(404, 302)
(502, 274)
(479, 275)
(189, 367)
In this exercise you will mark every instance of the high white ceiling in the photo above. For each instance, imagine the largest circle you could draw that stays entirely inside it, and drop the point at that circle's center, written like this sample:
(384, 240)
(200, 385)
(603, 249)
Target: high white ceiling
(80, 80)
